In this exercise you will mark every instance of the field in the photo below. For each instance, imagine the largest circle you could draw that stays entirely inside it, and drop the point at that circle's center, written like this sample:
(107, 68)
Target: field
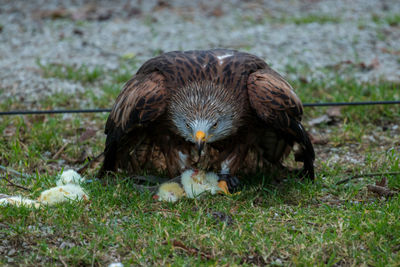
(289, 223)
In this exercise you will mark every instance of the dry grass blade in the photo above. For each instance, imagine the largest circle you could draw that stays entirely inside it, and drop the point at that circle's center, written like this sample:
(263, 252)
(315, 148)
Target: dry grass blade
(8, 169)
(192, 251)
(366, 175)
(60, 150)
(16, 185)
(87, 134)
(381, 191)
(383, 182)
(381, 188)
(85, 155)
(97, 159)
(318, 140)
(62, 261)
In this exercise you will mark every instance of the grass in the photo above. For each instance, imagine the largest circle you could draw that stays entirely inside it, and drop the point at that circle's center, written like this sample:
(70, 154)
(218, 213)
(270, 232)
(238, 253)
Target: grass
(312, 18)
(292, 223)
(300, 20)
(392, 20)
(70, 72)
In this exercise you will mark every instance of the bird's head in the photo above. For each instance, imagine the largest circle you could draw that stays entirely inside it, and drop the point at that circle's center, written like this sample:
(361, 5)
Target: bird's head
(204, 113)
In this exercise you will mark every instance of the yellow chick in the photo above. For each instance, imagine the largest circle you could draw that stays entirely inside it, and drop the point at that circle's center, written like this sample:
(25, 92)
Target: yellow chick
(195, 182)
(70, 177)
(19, 201)
(170, 192)
(63, 193)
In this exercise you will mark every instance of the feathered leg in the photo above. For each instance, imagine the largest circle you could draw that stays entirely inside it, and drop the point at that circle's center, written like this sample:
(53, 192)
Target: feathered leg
(231, 162)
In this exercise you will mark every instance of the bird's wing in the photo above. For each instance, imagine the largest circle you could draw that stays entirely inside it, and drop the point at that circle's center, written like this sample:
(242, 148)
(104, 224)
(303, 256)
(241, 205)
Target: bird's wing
(142, 100)
(273, 98)
(275, 102)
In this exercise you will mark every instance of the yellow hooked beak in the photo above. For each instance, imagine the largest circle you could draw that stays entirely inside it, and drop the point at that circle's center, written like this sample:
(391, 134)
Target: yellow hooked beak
(200, 139)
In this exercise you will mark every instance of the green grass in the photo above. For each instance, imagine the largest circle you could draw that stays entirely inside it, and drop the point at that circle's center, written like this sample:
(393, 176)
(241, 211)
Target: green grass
(70, 72)
(350, 90)
(292, 223)
(301, 20)
(392, 20)
(312, 18)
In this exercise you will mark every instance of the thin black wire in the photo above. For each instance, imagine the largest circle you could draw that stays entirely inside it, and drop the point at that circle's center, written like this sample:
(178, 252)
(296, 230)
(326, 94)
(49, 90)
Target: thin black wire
(364, 103)
(57, 111)
(62, 111)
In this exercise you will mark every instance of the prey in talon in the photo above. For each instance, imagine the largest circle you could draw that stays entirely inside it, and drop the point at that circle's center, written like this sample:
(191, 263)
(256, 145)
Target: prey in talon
(219, 110)
(193, 184)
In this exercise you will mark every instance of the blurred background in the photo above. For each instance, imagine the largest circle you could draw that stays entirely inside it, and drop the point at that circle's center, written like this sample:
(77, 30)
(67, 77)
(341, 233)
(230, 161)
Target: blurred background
(43, 42)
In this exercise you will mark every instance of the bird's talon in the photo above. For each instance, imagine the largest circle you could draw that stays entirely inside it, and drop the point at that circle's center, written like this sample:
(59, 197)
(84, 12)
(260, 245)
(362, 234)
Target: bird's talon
(224, 187)
(230, 182)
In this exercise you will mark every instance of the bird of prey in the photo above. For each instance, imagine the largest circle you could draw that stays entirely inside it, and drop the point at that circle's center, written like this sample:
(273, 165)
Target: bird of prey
(219, 110)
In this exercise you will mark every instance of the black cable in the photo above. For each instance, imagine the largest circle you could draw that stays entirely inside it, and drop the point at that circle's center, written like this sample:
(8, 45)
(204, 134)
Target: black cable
(331, 104)
(61, 111)
(57, 111)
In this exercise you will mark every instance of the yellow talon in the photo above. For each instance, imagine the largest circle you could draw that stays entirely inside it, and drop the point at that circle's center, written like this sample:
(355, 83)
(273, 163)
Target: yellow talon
(224, 189)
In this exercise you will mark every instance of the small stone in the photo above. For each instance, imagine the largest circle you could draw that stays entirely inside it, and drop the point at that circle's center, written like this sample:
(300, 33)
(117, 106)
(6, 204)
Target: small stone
(66, 245)
(11, 252)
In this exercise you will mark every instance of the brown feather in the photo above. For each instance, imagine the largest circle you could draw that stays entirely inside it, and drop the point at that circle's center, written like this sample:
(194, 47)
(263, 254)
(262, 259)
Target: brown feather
(273, 98)
(142, 100)
(275, 102)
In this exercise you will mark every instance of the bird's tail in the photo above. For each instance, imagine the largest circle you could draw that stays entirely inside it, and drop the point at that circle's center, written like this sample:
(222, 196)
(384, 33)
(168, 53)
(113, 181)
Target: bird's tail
(307, 154)
(109, 153)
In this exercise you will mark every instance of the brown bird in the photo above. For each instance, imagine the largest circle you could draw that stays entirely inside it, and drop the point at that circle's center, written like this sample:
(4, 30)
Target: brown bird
(219, 110)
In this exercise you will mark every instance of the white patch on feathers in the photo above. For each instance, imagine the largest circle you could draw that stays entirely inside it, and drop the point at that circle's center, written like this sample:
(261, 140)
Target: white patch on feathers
(63, 193)
(182, 160)
(170, 192)
(70, 177)
(19, 201)
(222, 57)
(197, 182)
(225, 166)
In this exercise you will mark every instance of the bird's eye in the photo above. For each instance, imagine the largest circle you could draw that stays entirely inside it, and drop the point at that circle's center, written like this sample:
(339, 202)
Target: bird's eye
(187, 125)
(215, 125)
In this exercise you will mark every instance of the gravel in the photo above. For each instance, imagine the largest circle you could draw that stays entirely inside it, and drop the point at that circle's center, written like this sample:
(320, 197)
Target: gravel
(355, 34)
